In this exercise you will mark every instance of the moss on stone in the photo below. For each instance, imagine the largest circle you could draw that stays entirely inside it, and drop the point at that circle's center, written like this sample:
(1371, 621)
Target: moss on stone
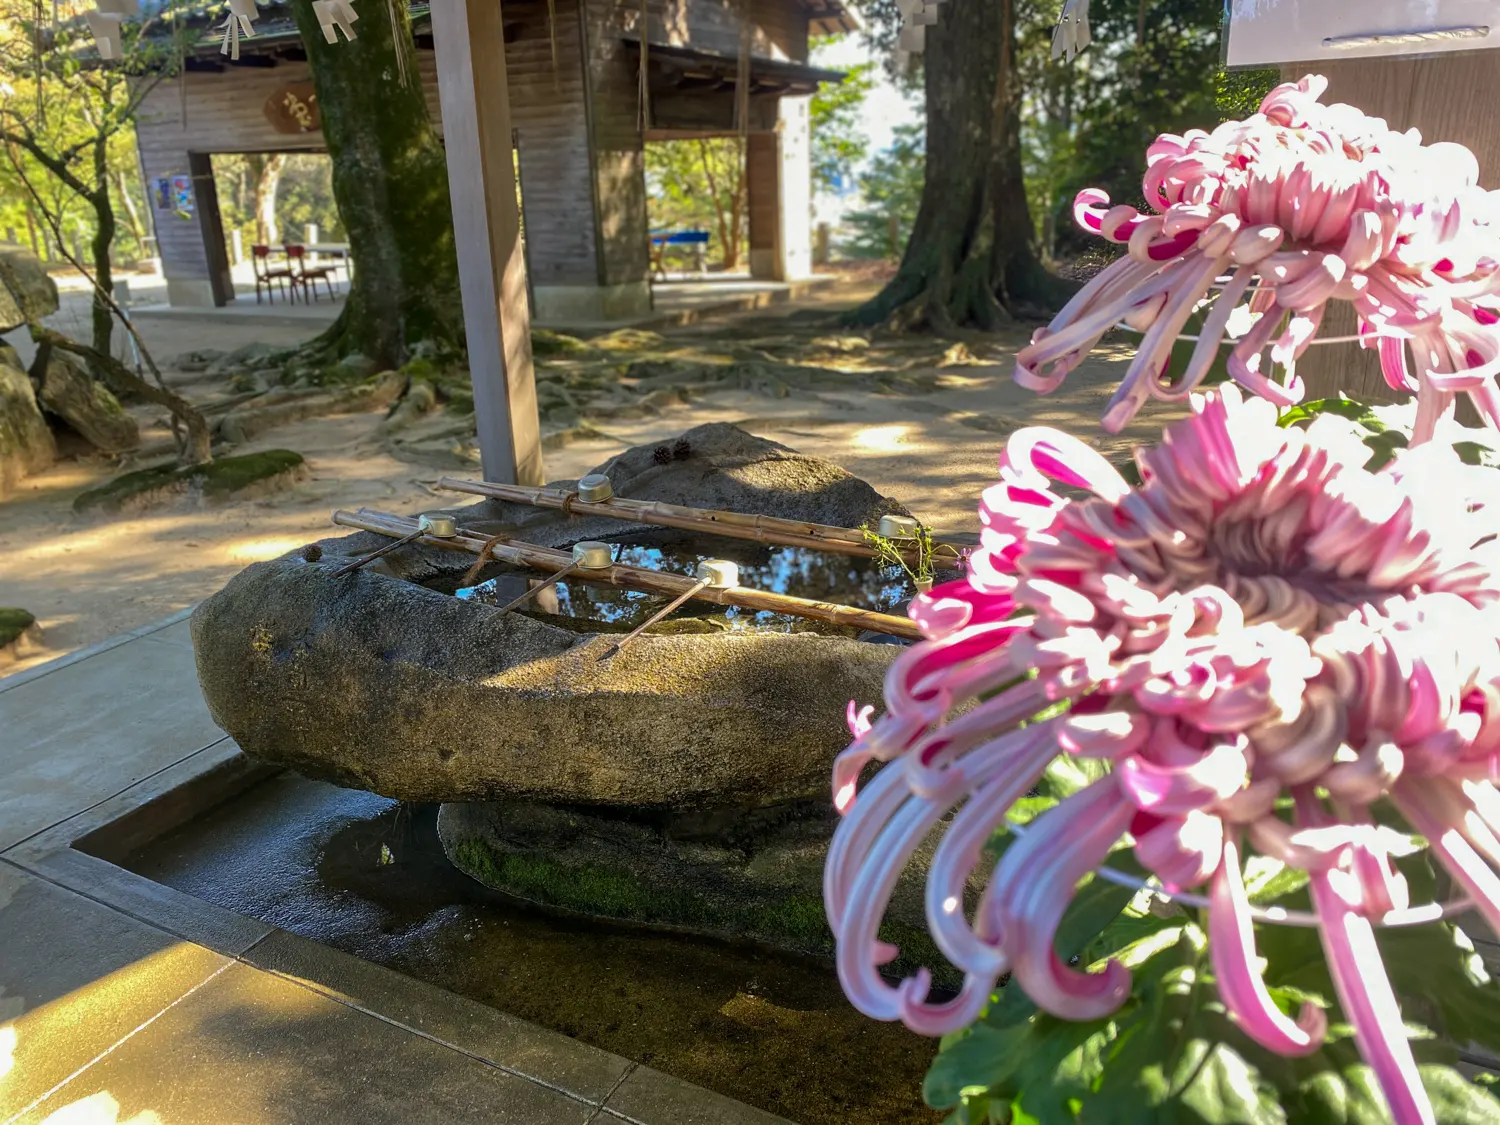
(548, 343)
(629, 340)
(217, 480)
(14, 622)
(791, 921)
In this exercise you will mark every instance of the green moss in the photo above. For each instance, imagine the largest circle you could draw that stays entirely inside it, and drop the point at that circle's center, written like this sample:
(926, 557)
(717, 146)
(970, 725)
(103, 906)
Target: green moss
(793, 921)
(217, 480)
(13, 623)
(629, 339)
(588, 890)
(547, 343)
(420, 368)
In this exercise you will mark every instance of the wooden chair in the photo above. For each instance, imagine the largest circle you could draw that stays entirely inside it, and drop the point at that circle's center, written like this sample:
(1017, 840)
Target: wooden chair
(308, 276)
(268, 276)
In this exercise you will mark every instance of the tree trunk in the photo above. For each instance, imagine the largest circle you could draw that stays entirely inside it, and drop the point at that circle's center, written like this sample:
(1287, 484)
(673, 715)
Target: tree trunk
(971, 257)
(268, 171)
(390, 182)
(104, 238)
(132, 212)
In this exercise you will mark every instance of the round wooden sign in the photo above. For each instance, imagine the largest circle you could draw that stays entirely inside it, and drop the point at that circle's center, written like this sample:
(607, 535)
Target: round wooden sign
(293, 108)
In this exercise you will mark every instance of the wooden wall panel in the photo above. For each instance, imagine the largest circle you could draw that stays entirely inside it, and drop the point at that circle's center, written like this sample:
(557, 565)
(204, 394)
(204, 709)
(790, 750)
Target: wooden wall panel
(779, 26)
(225, 114)
(1443, 97)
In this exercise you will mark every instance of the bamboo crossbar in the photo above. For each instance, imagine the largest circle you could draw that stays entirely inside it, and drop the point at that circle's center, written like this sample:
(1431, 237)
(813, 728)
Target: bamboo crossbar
(736, 525)
(632, 577)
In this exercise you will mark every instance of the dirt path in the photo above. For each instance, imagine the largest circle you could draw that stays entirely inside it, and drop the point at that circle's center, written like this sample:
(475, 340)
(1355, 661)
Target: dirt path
(88, 579)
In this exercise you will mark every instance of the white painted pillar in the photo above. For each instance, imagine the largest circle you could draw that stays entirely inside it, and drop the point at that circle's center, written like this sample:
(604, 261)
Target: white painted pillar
(794, 131)
(469, 41)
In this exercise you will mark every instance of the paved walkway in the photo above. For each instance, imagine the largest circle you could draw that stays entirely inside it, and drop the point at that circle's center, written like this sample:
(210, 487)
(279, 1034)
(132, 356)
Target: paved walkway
(122, 1001)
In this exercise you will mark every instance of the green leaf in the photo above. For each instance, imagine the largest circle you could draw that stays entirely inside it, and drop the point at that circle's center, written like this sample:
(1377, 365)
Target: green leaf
(1456, 1101)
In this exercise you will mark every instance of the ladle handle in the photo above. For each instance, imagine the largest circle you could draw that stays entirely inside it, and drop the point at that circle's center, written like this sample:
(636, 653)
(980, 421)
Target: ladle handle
(701, 585)
(381, 553)
(538, 588)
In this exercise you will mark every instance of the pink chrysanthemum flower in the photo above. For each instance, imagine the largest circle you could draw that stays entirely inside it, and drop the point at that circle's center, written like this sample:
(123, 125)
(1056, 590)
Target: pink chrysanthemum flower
(1262, 617)
(1301, 204)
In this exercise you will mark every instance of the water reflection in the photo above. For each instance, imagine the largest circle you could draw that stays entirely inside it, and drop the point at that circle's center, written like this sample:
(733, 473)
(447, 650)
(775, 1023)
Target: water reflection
(798, 571)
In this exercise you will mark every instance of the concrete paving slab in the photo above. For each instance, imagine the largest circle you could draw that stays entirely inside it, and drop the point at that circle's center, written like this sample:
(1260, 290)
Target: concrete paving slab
(249, 1047)
(179, 634)
(86, 731)
(511, 1044)
(650, 1097)
(75, 979)
(170, 910)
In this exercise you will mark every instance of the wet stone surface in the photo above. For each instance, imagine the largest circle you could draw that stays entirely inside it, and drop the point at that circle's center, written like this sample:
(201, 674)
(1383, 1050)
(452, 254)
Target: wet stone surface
(367, 875)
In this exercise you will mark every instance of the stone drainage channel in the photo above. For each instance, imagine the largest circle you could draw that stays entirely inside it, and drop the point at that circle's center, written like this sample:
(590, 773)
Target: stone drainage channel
(367, 875)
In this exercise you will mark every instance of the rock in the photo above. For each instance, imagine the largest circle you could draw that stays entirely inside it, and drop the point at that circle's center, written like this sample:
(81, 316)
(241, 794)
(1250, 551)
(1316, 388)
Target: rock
(87, 405)
(389, 686)
(377, 682)
(356, 366)
(20, 635)
(199, 360)
(748, 874)
(420, 399)
(218, 482)
(26, 444)
(843, 345)
(545, 342)
(26, 291)
(248, 356)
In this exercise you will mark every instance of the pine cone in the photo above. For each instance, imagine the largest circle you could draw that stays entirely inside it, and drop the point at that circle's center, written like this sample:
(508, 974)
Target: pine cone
(662, 455)
(311, 553)
(681, 450)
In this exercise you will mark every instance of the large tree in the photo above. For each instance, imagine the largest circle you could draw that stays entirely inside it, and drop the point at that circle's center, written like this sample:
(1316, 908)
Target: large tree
(390, 182)
(972, 257)
(65, 122)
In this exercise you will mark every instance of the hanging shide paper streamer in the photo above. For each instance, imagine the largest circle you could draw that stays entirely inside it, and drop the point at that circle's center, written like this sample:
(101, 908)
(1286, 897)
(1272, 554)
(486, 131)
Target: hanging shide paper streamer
(335, 16)
(240, 21)
(1072, 34)
(231, 44)
(916, 17)
(120, 7)
(105, 28)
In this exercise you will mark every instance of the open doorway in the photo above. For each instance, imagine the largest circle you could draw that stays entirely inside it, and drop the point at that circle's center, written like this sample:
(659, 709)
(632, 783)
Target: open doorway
(697, 204)
(282, 201)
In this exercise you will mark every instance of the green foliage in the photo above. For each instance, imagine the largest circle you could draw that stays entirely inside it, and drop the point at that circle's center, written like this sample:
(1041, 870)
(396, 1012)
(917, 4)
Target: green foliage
(892, 191)
(838, 143)
(1173, 1054)
(699, 185)
(891, 553)
(1240, 92)
(1088, 123)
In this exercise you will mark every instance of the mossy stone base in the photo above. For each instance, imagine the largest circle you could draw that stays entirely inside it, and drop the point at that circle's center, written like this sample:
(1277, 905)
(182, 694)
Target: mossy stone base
(746, 874)
(228, 478)
(20, 635)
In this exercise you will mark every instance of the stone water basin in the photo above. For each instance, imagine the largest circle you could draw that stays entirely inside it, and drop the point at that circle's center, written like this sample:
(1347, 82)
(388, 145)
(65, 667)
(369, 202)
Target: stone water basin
(682, 780)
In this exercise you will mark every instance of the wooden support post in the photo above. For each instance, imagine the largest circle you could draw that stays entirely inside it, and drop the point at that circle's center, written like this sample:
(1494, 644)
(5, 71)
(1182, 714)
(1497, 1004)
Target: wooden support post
(469, 40)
